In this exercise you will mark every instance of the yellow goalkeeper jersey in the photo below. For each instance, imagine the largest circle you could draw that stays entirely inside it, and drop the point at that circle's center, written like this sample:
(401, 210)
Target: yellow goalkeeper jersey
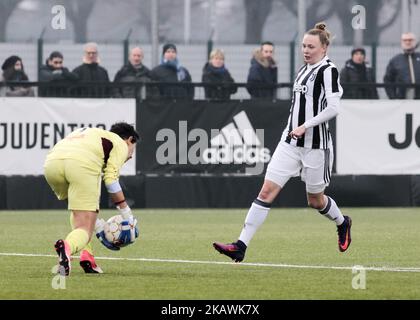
(101, 151)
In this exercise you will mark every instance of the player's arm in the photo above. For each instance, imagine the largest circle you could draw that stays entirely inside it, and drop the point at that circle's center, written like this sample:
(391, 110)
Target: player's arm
(117, 158)
(118, 198)
(129, 231)
(333, 93)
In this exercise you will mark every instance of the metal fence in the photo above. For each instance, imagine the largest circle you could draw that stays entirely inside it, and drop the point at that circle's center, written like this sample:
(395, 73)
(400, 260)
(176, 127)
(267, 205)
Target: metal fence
(193, 57)
(180, 91)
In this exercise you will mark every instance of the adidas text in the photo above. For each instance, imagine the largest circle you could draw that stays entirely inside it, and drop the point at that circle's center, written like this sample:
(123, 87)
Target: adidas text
(236, 143)
(236, 155)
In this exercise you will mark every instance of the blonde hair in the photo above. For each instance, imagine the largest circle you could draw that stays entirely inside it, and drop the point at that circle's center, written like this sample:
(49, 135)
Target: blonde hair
(217, 53)
(321, 30)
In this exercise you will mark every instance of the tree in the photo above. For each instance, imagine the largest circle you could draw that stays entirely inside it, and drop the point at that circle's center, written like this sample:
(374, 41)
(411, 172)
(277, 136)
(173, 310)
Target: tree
(380, 15)
(375, 11)
(345, 16)
(166, 9)
(256, 13)
(78, 12)
(6, 9)
(316, 10)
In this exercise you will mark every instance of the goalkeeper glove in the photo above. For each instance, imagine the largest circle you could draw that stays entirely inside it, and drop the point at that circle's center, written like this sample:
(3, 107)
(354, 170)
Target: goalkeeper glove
(129, 230)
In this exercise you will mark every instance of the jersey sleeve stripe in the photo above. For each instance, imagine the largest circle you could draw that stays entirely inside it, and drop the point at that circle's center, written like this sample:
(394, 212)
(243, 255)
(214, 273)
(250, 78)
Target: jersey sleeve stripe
(334, 79)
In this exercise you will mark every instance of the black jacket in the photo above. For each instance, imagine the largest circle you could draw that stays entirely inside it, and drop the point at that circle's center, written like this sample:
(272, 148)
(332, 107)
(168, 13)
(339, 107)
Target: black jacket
(10, 90)
(398, 71)
(92, 73)
(128, 73)
(220, 76)
(354, 73)
(51, 75)
(261, 72)
(168, 73)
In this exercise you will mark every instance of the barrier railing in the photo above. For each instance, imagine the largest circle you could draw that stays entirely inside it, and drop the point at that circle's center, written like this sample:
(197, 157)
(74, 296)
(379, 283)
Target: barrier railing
(187, 91)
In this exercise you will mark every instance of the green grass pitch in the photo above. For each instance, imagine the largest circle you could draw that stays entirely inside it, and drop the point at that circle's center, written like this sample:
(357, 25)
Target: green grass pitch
(294, 255)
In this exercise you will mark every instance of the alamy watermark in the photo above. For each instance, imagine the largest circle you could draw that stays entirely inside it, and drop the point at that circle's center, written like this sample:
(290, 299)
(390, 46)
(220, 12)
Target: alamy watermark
(359, 279)
(231, 145)
(58, 282)
(58, 22)
(359, 20)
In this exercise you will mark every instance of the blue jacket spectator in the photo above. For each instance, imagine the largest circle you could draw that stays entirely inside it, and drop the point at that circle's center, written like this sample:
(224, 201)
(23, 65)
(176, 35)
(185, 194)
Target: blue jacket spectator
(404, 68)
(170, 70)
(215, 72)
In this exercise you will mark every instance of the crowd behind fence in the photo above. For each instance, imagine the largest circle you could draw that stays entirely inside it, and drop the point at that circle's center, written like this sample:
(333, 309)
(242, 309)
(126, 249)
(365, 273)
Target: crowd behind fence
(193, 56)
(239, 60)
(162, 90)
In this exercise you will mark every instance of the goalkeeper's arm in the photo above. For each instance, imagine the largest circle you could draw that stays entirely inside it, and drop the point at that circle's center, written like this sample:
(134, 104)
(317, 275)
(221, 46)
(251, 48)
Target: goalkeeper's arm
(117, 197)
(129, 231)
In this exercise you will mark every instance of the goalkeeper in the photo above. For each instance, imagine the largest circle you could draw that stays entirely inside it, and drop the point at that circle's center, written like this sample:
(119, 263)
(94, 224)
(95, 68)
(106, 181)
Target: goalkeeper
(73, 169)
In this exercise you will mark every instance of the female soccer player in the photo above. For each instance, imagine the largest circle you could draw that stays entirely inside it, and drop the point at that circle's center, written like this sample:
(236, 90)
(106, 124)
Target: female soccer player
(73, 170)
(305, 146)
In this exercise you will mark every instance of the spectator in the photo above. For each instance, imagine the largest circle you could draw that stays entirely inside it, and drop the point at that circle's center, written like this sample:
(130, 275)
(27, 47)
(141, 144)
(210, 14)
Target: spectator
(356, 71)
(263, 71)
(404, 68)
(13, 71)
(214, 72)
(133, 71)
(170, 70)
(54, 72)
(91, 71)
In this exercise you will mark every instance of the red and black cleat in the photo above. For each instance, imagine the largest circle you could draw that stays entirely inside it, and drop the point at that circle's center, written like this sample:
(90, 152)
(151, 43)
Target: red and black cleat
(88, 263)
(235, 251)
(344, 236)
(63, 252)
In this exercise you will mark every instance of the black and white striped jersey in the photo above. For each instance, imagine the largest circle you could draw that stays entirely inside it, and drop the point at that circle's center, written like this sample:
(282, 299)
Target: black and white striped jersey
(313, 85)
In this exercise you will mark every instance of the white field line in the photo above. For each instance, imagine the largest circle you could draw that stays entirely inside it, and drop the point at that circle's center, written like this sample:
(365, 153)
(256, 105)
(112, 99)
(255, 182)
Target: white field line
(272, 265)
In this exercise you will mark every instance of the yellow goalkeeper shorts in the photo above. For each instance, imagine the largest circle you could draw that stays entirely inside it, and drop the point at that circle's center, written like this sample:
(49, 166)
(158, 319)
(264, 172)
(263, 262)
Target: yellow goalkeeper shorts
(73, 180)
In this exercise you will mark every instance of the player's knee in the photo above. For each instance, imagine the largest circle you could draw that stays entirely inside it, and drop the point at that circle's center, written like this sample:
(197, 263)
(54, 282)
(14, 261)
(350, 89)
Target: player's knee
(268, 194)
(315, 203)
(264, 195)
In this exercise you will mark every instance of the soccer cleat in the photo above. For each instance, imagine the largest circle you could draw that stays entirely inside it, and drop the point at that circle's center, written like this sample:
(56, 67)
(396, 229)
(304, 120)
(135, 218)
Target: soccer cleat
(63, 251)
(235, 251)
(344, 236)
(87, 262)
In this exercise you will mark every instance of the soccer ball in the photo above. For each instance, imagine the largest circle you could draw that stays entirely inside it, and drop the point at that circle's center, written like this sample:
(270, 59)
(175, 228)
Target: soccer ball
(112, 229)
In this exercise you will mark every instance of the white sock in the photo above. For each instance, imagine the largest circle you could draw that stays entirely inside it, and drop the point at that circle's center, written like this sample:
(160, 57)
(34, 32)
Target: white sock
(332, 212)
(254, 219)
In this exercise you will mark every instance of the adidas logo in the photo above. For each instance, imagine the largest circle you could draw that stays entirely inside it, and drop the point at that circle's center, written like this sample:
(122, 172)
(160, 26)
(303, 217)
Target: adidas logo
(237, 143)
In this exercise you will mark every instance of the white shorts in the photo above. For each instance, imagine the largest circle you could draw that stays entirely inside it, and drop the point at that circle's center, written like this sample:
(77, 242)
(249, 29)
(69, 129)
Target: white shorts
(313, 165)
